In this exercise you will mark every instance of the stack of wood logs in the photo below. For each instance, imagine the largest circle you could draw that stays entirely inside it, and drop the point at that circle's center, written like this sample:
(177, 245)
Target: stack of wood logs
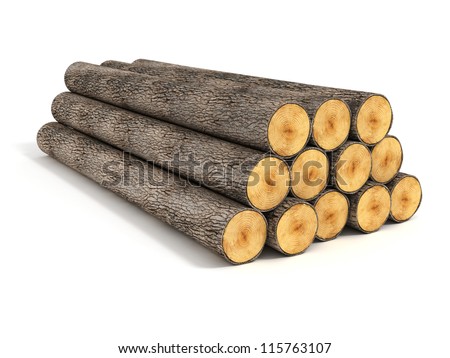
(234, 161)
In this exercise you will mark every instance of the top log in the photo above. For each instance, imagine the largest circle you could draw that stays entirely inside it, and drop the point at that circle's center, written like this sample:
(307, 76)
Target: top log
(254, 116)
(330, 118)
(371, 112)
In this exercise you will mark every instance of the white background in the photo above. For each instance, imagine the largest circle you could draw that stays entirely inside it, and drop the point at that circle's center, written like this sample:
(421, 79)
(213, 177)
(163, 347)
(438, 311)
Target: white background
(82, 271)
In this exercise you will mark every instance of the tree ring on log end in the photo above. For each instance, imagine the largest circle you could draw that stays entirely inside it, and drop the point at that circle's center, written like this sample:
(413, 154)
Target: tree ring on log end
(288, 130)
(268, 183)
(374, 119)
(332, 212)
(406, 197)
(244, 236)
(387, 157)
(331, 124)
(353, 168)
(309, 171)
(373, 208)
(297, 228)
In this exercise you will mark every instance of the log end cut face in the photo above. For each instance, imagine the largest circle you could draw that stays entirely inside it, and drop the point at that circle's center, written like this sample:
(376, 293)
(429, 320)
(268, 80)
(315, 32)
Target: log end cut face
(374, 119)
(373, 208)
(332, 211)
(331, 124)
(387, 158)
(353, 168)
(406, 198)
(268, 183)
(244, 236)
(310, 171)
(289, 130)
(297, 228)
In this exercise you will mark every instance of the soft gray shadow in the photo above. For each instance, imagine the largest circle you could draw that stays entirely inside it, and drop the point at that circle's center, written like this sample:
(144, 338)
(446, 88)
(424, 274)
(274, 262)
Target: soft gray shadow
(348, 231)
(179, 243)
(270, 254)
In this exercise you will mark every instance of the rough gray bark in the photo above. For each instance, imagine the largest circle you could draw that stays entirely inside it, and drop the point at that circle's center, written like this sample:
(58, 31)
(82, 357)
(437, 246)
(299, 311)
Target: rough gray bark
(354, 201)
(310, 102)
(196, 211)
(274, 216)
(219, 165)
(354, 99)
(124, 66)
(236, 112)
(392, 184)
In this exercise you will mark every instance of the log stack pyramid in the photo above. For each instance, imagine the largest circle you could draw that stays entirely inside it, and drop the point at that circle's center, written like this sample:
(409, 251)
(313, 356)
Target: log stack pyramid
(234, 161)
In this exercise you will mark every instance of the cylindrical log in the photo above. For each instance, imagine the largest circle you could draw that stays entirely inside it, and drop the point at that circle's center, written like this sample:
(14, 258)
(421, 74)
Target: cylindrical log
(331, 124)
(291, 226)
(221, 224)
(257, 117)
(332, 212)
(387, 157)
(246, 175)
(119, 65)
(406, 196)
(369, 207)
(330, 117)
(350, 167)
(309, 171)
(371, 112)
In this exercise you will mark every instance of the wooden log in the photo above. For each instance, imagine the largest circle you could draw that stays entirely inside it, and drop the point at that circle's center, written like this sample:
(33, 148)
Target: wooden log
(387, 158)
(332, 212)
(119, 65)
(350, 167)
(257, 117)
(330, 117)
(406, 196)
(291, 226)
(232, 230)
(371, 113)
(243, 174)
(309, 171)
(330, 120)
(369, 207)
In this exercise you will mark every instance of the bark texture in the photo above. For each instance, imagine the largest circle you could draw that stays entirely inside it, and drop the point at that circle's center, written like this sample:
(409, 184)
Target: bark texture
(119, 65)
(353, 98)
(219, 165)
(196, 211)
(236, 112)
(353, 209)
